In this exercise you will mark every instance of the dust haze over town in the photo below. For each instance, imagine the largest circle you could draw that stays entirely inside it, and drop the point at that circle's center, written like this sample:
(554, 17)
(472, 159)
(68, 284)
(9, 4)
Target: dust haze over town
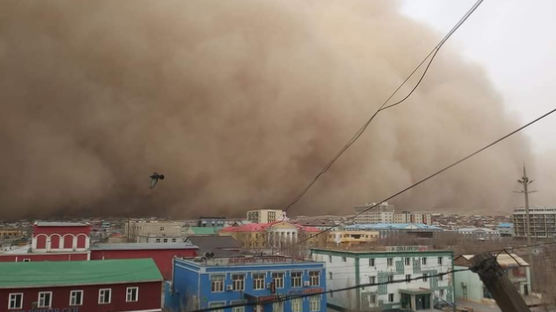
(240, 104)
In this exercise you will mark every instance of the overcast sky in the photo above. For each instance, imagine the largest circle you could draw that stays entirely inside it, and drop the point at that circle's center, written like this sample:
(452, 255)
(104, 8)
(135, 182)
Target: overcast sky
(515, 41)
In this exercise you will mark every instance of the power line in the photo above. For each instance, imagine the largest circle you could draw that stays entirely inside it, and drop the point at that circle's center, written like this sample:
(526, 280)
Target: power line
(431, 55)
(283, 298)
(438, 172)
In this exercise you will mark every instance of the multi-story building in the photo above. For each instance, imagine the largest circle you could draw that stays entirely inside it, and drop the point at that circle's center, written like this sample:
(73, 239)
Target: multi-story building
(268, 235)
(141, 231)
(397, 229)
(383, 213)
(469, 287)
(346, 268)
(265, 215)
(343, 237)
(542, 222)
(505, 229)
(218, 282)
(10, 234)
(84, 286)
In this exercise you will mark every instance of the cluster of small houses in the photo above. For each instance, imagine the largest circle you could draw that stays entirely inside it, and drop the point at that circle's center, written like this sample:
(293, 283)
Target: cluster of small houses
(62, 271)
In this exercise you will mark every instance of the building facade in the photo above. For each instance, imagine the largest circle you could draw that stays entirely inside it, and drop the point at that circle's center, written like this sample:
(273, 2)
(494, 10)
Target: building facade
(347, 268)
(343, 237)
(258, 280)
(83, 286)
(396, 229)
(542, 222)
(146, 231)
(385, 213)
(60, 236)
(265, 215)
(269, 235)
(505, 229)
(161, 253)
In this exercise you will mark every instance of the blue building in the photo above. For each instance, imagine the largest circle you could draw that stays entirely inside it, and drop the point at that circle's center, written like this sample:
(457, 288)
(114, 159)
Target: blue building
(259, 280)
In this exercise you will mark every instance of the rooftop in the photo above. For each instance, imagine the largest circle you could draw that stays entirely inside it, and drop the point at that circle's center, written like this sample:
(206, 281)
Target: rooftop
(504, 260)
(393, 226)
(259, 227)
(70, 273)
(138, 246)
(380, 249)
(248, 260)
(49, 223)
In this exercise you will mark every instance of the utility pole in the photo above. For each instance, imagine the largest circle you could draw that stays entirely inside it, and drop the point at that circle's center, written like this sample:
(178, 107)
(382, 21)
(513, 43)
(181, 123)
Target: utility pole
(525, 181)
(495, 280)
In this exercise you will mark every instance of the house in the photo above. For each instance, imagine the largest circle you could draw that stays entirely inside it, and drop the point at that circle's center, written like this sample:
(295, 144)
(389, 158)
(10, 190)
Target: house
(258, 281)
(346, 268)
(468, 285)
(84, 286)
(217, 246)
(161, 253)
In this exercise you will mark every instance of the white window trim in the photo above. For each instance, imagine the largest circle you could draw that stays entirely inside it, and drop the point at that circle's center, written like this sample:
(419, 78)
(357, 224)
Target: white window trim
(109, 295)
(39, 299)
(9, 300)
(72, 291)
(136, 293)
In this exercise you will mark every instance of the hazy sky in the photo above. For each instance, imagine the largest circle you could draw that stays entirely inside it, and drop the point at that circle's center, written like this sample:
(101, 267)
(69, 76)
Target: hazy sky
(515, 41)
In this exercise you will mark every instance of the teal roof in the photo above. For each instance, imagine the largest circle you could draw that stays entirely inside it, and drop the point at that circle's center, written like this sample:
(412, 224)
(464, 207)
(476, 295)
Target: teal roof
(202, 230)
(69, 273)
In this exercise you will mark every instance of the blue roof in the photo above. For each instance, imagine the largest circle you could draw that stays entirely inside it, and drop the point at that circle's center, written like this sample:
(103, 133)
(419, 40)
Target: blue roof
(505, 225)
(392, 226)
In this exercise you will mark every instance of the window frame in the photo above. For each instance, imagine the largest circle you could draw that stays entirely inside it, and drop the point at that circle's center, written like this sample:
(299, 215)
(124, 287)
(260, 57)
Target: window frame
(102, 290)
(425, 277)
(219, 303)
(279, 277)
(424, 260)
(371, 262)
(372, 279)
(391, 297)
(315, 300)
(314, 276)
(440, 260)
(407, 261)
(257, 280)
(213, 282)
(297, 280)
(127, 289)
(238, 282)
(293, 307)
(80, 298)
(390, 278)
(389, 261)
(408, 278)
(240, 308)
(39, 305)
(20, 301)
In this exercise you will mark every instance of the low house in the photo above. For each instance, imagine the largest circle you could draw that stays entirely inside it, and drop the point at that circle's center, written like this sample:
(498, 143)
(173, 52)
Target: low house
(469, 286)
(161, 253)
(259, 281)
(84, 286)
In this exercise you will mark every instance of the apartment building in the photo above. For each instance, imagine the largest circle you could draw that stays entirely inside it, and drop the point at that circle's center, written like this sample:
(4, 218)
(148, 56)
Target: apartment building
(385, 213)
(265, 215)
(542, 222)
(146, 231)
(395, 263)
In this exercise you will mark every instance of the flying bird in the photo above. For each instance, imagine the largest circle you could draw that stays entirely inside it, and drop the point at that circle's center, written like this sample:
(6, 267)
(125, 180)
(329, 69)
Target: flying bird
(155, 177)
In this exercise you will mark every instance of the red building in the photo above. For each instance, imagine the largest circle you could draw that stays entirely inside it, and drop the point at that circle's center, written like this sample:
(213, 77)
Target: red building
(84, 286)
(31, 257)
(161, 253)
(60, 236)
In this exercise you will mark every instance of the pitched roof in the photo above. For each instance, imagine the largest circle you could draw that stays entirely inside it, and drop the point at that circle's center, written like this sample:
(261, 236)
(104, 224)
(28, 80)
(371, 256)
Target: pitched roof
(70, 273)
(212, 242)
(138, 246)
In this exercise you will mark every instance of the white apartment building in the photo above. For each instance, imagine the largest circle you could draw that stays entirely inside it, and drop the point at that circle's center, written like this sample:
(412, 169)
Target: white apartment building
(265, 215)
(345, 268)
(145, 231)
(542, 220)
(385, 213)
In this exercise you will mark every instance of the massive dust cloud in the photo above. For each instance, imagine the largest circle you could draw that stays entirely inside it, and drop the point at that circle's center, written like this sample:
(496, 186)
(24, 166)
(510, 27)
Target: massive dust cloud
(239, 104)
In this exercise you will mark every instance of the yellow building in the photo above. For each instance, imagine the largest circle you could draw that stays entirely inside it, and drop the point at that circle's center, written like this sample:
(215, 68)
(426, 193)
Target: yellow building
(8, 234)
(352, 237)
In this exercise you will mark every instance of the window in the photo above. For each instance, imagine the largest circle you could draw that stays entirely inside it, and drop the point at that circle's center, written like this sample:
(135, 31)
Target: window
(389, 261)
(240, 308)
(372, 262)
(372, 279)
(314, 303)
(344, 259)
(424, 260)
(278, 279)
(329, 258)
(314, 278)
(76, 297)
(390, 277)
(408, 278)
(296, 279)
(165, 240)
(297, 305)
(258, 280)
(162, 228)
(440, 260)
(16, 301)
(216, 304)
(45, 299)
(278, 307)
(390, 297)
(132, 294)
(217, 283)
(238, 281)
(330, 275)
(158, 240)
(407, 261)
(425, 277)
(173, 240)
(441, 293)
(104, 295)
(440, 277)
(372, 298)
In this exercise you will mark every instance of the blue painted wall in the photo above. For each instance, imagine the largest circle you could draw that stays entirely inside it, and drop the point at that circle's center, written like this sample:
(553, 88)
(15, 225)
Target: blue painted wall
(192, 280)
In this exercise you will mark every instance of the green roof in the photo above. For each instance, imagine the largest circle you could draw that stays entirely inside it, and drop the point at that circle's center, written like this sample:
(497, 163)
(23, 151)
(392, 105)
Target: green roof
(68, 273)
(202, 230)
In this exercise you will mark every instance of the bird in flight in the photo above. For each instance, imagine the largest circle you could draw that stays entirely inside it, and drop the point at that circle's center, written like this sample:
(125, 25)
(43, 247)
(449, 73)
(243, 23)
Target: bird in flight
(155, 177)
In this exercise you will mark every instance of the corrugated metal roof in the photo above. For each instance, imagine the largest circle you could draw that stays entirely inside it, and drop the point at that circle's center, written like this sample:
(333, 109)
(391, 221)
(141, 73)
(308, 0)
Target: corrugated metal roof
(49, 223)
(137, 246)
(70, 273)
